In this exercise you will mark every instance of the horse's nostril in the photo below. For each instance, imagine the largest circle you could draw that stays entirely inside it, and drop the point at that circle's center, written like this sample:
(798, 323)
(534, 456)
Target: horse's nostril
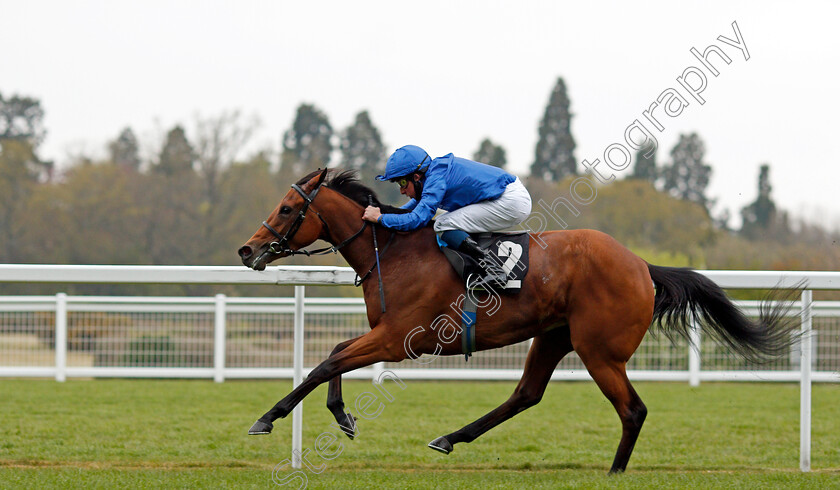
(245, 252)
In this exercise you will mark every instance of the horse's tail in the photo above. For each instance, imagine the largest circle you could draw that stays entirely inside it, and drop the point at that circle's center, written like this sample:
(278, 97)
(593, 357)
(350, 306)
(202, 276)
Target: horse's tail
(681, 293)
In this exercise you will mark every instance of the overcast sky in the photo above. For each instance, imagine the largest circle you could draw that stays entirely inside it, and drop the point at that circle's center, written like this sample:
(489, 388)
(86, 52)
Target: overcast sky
(445, 74)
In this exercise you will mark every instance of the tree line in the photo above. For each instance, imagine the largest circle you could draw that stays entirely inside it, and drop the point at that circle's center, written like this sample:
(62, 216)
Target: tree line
(192, 198)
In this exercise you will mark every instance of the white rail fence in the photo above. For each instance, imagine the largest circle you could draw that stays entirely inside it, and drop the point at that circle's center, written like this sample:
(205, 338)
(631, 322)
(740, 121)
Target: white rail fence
(224, 337)
(228, 337)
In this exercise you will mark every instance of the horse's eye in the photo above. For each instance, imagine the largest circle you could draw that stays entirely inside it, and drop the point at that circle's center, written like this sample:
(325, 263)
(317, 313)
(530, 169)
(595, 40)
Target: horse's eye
(285, 210)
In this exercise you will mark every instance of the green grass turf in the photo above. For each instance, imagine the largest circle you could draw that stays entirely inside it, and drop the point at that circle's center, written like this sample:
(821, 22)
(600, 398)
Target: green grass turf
(165, 434)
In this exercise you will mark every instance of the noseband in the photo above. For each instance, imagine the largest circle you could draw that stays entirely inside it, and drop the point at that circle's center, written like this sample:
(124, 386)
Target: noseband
(282, 245)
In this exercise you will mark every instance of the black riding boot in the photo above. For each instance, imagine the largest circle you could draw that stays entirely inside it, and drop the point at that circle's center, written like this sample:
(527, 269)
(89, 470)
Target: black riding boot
(494, 275)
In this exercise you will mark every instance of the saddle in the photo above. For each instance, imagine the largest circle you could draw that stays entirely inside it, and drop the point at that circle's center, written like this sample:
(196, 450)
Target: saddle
(511, 251)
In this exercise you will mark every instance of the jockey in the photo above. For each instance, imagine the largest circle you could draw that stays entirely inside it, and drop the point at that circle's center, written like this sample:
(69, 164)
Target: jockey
(478, 197)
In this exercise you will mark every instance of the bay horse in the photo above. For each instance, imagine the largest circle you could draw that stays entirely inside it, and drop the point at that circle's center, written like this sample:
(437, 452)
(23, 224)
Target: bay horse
(584, 292)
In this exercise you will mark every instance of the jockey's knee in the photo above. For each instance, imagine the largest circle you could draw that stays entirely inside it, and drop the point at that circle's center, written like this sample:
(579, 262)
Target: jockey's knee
(453, 238)
(441, 225)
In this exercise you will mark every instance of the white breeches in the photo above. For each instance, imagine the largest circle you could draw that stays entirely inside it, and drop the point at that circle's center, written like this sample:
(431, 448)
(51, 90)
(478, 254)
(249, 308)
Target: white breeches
(506, 211)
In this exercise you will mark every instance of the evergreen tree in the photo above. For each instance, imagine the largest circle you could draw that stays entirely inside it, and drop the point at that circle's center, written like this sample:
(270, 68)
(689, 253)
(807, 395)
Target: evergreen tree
(21, 132)
(22, 118)
(100, 204)
(760, 214)
(22, 121)
(688, 175)
(125, 151)
(307, 145)
(645, 168)
(490, 153)
(17, 181)
(177, 155)
(722, 220)
(554, 157)
(362, 148)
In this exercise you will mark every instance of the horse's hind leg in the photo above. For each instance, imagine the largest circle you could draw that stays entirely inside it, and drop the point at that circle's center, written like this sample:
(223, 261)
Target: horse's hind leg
(546, 351)
(606, 329)
(611, 377)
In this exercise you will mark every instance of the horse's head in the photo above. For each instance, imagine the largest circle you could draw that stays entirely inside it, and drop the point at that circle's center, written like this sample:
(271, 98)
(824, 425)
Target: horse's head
(287, 228)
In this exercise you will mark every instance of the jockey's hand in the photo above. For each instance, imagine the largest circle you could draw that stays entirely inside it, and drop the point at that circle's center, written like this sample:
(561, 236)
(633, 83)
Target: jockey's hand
(372, 214)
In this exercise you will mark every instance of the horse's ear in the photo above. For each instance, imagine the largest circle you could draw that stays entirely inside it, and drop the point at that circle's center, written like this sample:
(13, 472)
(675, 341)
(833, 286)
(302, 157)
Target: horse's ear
(316, 181)
(321, 178)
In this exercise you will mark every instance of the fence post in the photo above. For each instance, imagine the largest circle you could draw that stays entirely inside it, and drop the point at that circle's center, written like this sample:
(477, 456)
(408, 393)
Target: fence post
(297, 413)
(219, 338)
(694, 354)
(378, 369)
(60, 337)
(805, 383)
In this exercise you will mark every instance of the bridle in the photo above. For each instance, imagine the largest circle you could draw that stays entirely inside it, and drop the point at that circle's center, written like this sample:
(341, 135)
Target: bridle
(282, 245)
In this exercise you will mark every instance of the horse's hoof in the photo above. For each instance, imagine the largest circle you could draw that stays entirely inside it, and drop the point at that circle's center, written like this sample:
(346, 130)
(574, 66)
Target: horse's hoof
(349, 425)
(442, 445)
(259, 428)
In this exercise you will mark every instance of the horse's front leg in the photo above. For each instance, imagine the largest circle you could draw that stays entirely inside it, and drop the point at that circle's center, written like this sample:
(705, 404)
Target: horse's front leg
(374, 346)
(335, 403)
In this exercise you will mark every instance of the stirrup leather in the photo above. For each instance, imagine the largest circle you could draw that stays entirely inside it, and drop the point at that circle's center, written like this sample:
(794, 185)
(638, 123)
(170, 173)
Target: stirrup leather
(493, 275)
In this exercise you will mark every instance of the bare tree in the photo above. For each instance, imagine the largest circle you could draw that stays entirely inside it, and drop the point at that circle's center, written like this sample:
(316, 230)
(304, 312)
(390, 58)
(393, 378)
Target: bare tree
(218, 140)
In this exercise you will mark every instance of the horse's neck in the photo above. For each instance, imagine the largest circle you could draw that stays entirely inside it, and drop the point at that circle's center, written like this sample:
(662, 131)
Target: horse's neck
(343, 222)
(393, 247)
(344, 219)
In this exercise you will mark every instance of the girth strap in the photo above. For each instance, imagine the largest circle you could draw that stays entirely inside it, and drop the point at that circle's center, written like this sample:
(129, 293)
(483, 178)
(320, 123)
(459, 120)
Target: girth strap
(468, 321)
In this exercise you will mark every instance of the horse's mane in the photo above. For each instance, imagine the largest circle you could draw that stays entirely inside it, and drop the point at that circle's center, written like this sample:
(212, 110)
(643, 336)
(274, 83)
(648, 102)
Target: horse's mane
(347, 183)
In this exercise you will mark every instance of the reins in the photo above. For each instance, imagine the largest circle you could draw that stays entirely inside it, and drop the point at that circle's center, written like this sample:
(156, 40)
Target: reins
(360, 279)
